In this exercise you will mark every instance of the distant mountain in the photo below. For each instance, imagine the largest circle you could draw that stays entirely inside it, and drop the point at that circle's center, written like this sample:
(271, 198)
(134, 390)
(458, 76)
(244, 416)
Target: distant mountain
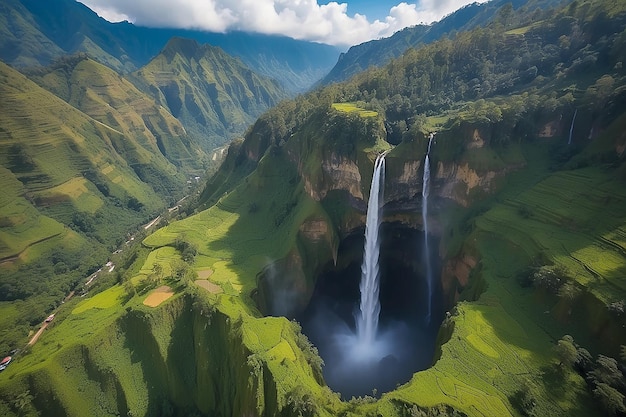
(214, 95)
(34, 32)
(152, 137)
(378, 52)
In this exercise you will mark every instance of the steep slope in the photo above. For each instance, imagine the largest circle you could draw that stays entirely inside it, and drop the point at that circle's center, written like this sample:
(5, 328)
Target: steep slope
(52, 148)
(23, 44)
(69, 194)
(155, 143)
(36, 32)
(214, 95)
(377, 53)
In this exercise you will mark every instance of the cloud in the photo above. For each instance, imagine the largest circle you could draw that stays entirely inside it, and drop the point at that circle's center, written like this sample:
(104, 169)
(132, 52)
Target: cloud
(301, 19)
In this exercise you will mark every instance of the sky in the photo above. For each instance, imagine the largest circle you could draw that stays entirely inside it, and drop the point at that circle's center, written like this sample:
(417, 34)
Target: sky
(343, 23)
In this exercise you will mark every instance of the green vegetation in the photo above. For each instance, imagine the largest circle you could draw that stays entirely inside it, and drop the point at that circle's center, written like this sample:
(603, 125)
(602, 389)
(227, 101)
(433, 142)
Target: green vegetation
(214, 95)
(72, 186)
(378, 53)
(537, 224)
(353, 107)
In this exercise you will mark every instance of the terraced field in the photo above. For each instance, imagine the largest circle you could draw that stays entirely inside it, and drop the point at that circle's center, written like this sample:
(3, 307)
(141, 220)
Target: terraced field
(576, 220)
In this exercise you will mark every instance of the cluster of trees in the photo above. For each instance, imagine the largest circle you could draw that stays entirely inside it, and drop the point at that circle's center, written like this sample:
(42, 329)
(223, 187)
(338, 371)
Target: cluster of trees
(310, 352)
(604, 375)
(555, 279)
(490, 61)
(412, 410)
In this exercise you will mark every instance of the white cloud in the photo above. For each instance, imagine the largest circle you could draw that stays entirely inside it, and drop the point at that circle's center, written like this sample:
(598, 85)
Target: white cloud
(301, 19)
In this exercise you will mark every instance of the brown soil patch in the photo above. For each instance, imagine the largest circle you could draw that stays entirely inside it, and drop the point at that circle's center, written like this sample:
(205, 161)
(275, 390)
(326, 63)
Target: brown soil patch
(205, 273)
(209, 286)
(157, 296)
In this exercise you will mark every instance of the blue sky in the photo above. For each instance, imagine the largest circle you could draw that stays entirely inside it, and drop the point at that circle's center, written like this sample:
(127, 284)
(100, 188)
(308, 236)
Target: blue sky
(340, 23)
(371, 8)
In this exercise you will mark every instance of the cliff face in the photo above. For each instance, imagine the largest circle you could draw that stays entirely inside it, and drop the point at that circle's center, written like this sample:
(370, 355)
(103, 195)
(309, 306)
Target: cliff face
(458, 182)
(464, 169)
(178, 359)
(337, 172)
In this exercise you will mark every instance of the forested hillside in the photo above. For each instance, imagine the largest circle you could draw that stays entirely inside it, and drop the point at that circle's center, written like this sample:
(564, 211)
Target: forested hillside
(378, 52)
(90, 154)
(73, 187)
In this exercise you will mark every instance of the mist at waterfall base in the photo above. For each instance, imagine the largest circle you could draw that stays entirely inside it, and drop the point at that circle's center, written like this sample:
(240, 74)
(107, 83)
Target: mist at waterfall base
(405, 341)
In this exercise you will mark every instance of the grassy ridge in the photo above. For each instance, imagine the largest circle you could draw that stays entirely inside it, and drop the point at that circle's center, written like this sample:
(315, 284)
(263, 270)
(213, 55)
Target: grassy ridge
(563, 226)
(213, 94)
(150, 137)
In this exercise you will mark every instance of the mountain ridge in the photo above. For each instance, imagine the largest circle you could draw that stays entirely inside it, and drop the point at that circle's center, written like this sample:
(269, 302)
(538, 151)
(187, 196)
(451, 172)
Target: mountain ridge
(379, 52)
(49, 29)
(215, 95)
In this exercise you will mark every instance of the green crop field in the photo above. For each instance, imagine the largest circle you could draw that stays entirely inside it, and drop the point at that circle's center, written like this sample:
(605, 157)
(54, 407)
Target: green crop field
(354, 108)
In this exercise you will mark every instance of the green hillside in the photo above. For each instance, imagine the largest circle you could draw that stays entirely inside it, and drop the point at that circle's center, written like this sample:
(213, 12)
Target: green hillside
(214, 95)
(155, 143)
(68, 193)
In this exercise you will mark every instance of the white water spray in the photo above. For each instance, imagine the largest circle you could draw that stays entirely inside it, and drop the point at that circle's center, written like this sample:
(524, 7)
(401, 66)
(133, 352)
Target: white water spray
(367, 320)
(425, 193)
(571, 128)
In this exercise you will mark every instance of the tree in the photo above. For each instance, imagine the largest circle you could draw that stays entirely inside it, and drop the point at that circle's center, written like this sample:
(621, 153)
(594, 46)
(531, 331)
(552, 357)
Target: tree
(566, 351)
(157, 269)
(607, 372)
(523, 400)
(301, 402)
(610, 398)
(129, 288)
(134, 204)
(187, 250)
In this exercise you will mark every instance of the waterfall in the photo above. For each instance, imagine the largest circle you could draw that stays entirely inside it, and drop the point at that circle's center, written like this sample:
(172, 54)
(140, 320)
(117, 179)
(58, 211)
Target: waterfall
(571, 129)
(425, 192)
(367, 320)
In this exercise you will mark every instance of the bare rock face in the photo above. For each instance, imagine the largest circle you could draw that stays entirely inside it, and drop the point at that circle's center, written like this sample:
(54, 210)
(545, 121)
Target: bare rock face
(315, 230)
(459, 180)
(455, 274)
(550, 129)
(407, 184)
(477, 140)
(337, 173)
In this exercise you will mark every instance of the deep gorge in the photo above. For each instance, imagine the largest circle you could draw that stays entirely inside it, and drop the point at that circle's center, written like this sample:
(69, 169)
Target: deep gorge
(407, 341)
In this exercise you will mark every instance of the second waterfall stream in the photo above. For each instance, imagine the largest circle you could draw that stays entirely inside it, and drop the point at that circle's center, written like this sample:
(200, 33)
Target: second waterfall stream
(425, 193)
